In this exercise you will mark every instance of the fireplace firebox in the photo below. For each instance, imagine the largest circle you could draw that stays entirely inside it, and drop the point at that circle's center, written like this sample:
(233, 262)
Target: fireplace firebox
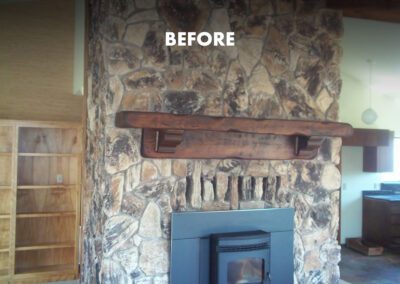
(240, 258)
(232, 247)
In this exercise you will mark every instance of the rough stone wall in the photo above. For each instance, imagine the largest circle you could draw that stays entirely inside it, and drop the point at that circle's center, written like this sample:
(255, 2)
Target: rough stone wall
(284, 65)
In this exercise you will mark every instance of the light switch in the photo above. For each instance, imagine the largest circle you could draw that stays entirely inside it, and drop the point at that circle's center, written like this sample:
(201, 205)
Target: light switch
(59, 179)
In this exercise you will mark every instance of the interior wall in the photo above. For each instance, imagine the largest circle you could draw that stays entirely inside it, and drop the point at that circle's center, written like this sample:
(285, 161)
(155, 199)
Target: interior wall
(36, 61)
(365, 39)
(380, 42)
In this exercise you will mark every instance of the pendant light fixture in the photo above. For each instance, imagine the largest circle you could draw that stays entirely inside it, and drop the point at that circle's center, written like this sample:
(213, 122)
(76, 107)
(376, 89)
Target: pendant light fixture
(369, 116)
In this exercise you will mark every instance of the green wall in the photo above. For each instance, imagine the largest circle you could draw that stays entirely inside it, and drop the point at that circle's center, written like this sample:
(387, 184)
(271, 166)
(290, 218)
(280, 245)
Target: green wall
(380, 42)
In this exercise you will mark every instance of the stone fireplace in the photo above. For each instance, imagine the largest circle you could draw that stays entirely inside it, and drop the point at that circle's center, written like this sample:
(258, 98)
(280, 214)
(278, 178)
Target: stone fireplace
(285, 65)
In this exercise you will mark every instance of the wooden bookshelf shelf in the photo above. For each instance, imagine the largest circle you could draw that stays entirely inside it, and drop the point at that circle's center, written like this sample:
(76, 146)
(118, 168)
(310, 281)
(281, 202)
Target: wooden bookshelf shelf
(45, 246)
(5, 154)
(4, 249)
(45, 214)
(3, 273)
(47, 155)
(45, 268)
(5, 187)
(4, 216)
(53, 186)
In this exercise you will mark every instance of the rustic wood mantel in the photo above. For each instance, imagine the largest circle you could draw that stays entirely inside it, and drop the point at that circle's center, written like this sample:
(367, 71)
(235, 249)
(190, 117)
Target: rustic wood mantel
(205, 137)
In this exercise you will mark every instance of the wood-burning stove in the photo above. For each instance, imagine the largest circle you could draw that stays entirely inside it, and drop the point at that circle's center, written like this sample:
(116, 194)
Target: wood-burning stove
(242, 257)
(240, 246)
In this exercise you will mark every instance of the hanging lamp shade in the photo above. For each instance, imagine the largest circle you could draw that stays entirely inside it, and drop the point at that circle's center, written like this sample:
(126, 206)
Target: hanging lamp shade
(369, 116)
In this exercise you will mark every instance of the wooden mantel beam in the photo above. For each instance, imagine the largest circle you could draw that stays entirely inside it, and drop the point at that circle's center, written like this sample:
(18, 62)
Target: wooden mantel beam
(205, 137)
(131, 119)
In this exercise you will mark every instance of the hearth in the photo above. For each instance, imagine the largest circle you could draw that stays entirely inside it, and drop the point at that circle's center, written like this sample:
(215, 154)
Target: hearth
(232, 247)
(240, 258)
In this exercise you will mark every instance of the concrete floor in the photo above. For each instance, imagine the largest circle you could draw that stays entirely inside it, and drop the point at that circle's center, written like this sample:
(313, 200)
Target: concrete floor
(358, 268)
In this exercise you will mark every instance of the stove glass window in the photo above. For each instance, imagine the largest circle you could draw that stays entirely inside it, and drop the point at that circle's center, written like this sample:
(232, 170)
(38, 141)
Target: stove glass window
(250, 271)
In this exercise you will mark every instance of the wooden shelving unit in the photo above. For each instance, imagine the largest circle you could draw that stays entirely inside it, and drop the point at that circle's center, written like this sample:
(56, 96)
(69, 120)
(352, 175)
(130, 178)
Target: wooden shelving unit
(39, 225)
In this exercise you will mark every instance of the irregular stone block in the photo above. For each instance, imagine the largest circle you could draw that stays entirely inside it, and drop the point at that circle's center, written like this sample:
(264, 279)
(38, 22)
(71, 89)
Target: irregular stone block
(222, 184)
(132, 205)
(184, 16)
(251, 205)
(115, 94)
(149, 15)
(236, 101)
(118, 230)
(112, 272)
(249, 53)
(215, 206)
(150, 223)
(164, 203)
(145, 4)
(154, 48)
(141, 100)
(218, 62)
(145, 79)
(195, 186)
(330, 178)
(128, 258)
(113, 200)
(149, 171)
(258, 188)
(179, 195)
(324, 100)
(155, 188)
(179, 168)
(219, 21)
(154, 257)
(121, 7)
(133, 177)
(331, 21)
(113, 28)
(208, 190)
(121, 150)
(136, 33)
(234, 192)
(203, 81)
(195, 57)
(175, 78)
(122, 59)
(260, 82)
(183, 102)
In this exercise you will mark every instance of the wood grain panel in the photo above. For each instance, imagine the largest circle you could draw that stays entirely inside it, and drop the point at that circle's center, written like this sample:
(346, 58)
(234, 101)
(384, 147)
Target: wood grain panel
(226, 145)
(44, 170)
(44, 260)
(31, 231)
(4, 233)
(6, 138)
(5, 205)
(46, 200)
(151, 120)
(37, 52)
(3, 263)
(48, 140)
(5, 177)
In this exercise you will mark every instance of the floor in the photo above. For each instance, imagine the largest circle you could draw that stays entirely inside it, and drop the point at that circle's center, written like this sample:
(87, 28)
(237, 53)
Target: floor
(358, 268)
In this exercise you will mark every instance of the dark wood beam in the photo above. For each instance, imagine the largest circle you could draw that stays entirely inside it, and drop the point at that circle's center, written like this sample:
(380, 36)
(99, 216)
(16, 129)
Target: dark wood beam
(132, 119)
(203, 137)
(384, 10)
